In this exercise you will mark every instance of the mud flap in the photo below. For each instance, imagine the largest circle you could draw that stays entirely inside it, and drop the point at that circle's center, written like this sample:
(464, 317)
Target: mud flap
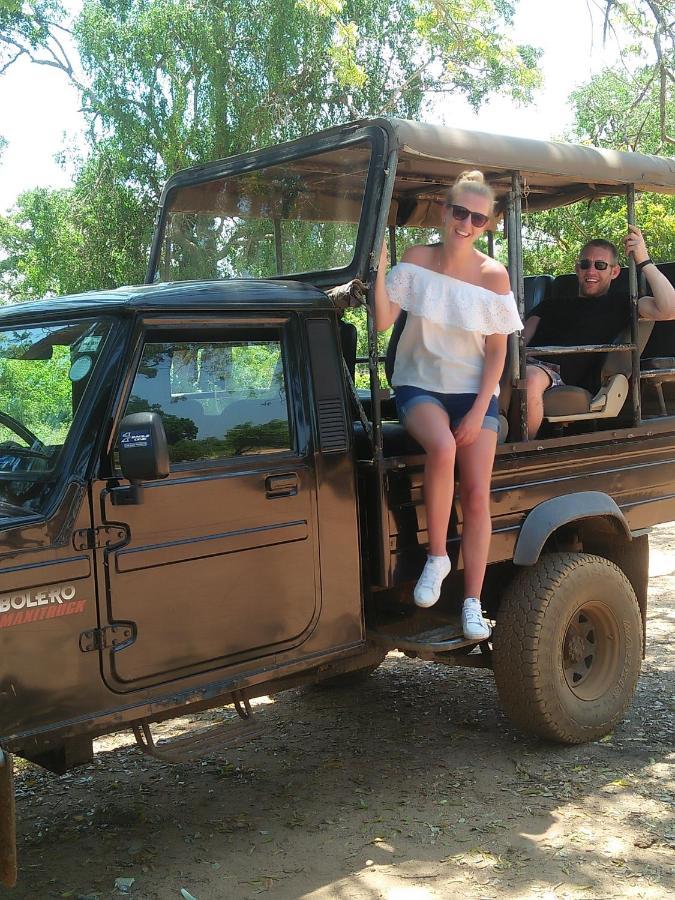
(7, 821)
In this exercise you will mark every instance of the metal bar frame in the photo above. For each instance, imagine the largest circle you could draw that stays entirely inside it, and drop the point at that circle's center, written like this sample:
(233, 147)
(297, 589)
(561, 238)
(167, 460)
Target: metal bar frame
(381, 230)
(634, 315)
(278, 247)
(518, 362)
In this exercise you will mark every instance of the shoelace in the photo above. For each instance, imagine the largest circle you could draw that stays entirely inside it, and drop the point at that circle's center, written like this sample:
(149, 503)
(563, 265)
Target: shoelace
(473, 615)
(432, 576)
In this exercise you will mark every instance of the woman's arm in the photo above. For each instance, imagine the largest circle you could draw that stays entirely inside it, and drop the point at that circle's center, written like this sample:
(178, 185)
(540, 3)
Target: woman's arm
(495, 355)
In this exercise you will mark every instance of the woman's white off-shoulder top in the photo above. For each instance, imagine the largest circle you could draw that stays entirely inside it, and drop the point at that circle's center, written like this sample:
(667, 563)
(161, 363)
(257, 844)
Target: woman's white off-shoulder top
(442, 347)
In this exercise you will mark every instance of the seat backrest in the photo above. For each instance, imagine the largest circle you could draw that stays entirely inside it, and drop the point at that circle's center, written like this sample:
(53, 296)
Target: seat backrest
(348, 342)
(564, 287)
(396, 332)
(662, 341)
(537, 288)
(618, 362)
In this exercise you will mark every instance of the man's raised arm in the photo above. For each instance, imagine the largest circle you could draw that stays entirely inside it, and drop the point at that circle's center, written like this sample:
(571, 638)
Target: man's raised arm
(661, 305)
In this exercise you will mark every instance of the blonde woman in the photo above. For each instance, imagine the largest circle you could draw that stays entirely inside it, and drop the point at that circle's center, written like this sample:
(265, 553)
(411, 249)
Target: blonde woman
(449, 360)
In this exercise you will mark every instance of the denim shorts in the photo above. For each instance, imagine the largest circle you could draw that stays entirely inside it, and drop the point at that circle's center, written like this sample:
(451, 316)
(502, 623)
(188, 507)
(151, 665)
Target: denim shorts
(455, 405)
(551, 369)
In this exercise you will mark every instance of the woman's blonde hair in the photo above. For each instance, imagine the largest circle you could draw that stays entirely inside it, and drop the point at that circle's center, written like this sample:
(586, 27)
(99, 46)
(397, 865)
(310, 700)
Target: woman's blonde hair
(472, 182)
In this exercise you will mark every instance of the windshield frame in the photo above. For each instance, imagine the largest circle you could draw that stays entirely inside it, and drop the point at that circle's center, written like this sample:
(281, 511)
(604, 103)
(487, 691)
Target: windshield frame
(374, 134)
(70, 464)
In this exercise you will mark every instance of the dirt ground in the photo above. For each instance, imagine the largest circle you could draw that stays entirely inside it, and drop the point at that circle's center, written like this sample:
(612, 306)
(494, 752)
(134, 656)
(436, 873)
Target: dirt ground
(414, 787)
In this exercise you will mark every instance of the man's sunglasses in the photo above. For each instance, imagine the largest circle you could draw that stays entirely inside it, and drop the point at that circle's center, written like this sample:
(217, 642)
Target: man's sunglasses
(599, 264)
(460, 213)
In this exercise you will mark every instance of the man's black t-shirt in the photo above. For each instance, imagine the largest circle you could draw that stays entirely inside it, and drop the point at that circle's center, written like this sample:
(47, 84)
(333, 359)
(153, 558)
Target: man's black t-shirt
(580, 320)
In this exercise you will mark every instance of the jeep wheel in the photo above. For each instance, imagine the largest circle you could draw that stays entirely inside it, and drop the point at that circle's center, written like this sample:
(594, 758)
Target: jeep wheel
(568, 647)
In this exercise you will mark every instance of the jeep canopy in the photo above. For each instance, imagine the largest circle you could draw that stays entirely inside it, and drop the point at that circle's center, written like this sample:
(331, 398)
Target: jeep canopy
(310, 206)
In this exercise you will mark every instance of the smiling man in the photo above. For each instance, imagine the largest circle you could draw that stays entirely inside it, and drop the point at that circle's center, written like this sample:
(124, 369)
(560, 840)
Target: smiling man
(593, 317)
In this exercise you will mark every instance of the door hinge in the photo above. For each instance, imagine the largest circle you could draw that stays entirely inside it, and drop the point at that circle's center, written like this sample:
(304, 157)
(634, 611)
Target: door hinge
(113, 637)
(109, 536)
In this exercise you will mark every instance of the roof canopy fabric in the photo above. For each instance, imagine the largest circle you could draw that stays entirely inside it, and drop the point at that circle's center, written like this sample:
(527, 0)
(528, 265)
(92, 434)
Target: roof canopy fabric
(553, 173)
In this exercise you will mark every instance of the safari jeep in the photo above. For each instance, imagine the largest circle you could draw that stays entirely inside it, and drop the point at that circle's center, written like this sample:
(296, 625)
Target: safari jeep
(205, 496)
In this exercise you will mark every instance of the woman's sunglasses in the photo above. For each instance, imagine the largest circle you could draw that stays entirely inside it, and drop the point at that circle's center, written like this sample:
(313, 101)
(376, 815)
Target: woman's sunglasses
(461, 212)
(599, 264)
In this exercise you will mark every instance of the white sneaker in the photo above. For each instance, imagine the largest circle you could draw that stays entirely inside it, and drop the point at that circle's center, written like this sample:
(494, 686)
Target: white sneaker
(428, 588)
(474, 626)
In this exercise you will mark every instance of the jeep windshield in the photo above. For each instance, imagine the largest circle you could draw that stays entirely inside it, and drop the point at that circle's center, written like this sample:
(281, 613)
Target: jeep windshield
(296, 217)
(44, 374)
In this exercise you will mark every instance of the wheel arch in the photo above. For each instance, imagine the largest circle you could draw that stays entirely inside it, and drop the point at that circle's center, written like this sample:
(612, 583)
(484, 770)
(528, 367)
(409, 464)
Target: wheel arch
(602, 530)
(550, 515)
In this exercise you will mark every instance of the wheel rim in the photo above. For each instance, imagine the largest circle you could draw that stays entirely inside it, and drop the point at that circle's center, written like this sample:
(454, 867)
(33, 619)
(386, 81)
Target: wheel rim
(592, 651)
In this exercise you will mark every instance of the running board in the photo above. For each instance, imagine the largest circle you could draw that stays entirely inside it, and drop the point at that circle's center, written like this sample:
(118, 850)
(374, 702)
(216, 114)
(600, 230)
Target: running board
(191, 747)
(7, 821)
(424, 644)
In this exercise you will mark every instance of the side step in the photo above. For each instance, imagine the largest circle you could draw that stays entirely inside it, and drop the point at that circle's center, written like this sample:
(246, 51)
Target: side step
(7, 821)
(430, 644)
(190, 747)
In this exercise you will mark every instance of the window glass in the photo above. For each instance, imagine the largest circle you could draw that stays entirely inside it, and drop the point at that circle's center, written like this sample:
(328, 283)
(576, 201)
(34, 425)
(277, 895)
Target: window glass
(297, 216)
(44, 373)
(217, 398)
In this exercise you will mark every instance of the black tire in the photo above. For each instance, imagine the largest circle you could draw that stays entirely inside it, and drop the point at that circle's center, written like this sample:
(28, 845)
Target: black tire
(568, 647)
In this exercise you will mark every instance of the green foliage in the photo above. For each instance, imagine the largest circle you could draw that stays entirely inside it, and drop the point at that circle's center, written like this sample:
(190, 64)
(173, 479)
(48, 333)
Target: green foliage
(92, 236)
(619, 110)
(645, 31)
(168, 84)
(34, 30)
(552, 239)
(38, 394)
(630, 107)
(238, 441)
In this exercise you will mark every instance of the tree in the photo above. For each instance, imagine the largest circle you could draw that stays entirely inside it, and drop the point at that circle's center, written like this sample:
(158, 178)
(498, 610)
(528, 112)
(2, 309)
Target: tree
(645, 32)
(168, 83)
(34, 31)
(629, 107)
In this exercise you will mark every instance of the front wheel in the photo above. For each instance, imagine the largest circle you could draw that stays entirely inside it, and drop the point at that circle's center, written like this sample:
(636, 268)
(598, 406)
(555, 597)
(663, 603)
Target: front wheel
(568, 647)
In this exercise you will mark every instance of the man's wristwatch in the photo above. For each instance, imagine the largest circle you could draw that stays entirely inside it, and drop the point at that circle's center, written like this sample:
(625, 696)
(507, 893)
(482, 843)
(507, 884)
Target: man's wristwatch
(645, 262)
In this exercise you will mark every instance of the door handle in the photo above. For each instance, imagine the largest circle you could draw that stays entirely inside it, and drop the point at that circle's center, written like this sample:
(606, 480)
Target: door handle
(281, 485)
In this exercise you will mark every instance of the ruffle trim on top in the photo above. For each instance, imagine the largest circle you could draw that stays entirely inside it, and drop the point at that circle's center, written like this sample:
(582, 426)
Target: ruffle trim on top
(448, 301)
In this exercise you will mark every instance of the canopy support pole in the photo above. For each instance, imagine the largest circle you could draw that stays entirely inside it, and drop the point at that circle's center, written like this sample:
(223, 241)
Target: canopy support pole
(392, 246)
(278, 247)
(634, 315)
(380, 577)
(513, 217)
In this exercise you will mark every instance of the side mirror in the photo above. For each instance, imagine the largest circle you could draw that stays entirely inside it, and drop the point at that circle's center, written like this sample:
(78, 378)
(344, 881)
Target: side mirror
(143, 453)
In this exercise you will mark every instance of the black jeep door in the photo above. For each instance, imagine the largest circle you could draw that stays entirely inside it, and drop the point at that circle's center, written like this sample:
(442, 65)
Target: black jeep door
(221, 566)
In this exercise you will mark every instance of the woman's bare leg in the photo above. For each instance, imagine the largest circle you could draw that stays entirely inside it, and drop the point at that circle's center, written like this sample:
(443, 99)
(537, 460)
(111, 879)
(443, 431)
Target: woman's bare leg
(428, 423)
(475, 472)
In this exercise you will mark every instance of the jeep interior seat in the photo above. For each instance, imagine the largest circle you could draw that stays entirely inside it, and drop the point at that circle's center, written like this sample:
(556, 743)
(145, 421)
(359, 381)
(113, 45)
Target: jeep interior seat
(657, 364)
(660, 349)
(390, 356)
(569, 403)
(348, 342)
(660, 346)
(537, 288)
